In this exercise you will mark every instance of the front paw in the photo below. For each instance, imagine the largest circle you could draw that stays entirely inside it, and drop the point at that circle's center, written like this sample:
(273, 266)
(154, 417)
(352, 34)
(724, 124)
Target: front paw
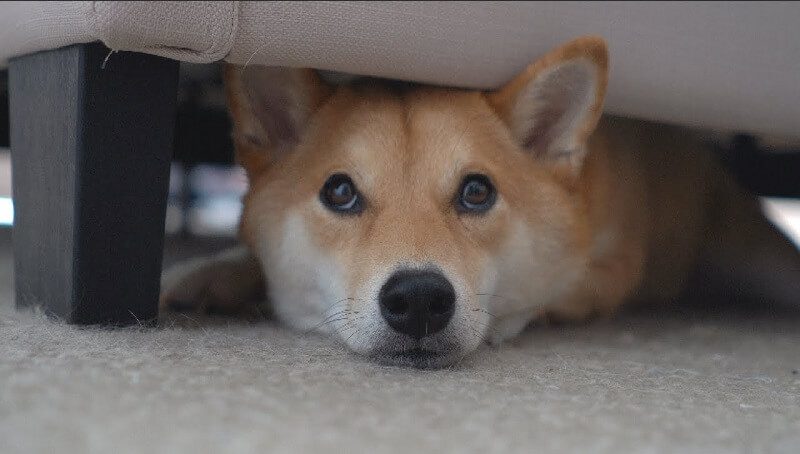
(210, 285)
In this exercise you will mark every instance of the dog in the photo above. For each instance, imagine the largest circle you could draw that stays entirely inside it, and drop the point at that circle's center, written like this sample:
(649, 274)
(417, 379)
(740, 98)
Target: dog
(414, 223)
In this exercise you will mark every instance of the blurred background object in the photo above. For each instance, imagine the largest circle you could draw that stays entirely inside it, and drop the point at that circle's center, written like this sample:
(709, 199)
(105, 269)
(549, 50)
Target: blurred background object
(205, 184)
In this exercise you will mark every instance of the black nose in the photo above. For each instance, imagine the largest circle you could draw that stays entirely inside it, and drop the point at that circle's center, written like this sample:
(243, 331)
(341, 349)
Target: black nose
(417, 303)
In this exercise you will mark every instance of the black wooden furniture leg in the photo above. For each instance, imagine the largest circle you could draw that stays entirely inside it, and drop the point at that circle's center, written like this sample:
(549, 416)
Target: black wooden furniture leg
(91, 145)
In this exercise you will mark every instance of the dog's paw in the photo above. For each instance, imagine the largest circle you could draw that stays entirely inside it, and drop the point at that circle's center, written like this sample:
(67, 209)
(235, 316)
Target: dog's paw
(227, 284)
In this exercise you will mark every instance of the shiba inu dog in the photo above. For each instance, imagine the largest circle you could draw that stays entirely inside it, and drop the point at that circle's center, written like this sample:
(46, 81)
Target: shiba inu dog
(413, 222)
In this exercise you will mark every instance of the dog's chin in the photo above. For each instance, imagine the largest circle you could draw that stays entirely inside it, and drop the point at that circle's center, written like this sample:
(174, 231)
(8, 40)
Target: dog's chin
(418, 358)
(388, 347)
(418, 354)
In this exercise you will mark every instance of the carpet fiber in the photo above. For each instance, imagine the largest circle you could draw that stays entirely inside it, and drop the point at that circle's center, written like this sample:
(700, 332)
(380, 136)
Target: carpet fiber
(641, 383)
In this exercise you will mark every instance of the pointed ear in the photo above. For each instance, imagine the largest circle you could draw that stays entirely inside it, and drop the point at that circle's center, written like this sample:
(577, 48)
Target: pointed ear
(270, 108)
(554, 105)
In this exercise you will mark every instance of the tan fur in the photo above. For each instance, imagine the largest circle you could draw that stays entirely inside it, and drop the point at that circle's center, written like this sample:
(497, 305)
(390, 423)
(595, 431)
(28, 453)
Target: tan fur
(626, 217)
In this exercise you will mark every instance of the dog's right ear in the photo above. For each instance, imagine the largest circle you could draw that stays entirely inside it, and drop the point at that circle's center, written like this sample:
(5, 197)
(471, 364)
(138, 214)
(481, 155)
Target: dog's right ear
(270, 108)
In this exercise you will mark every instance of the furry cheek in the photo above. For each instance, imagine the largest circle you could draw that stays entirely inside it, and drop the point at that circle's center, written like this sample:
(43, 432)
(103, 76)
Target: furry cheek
(304, 281)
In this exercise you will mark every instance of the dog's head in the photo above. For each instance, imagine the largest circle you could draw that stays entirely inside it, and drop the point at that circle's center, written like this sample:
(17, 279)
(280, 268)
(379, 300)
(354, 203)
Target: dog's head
(409, 219)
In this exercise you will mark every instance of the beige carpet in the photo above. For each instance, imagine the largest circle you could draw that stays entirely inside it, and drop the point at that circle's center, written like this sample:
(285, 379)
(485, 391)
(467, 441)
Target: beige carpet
(668, 383)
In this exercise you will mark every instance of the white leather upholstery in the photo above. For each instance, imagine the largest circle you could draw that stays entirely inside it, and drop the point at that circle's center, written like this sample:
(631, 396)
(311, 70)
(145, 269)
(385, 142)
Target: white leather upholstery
(716, 65)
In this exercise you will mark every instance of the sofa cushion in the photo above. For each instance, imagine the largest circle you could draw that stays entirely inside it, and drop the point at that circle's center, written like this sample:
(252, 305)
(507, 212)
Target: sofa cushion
(200, 32)
(729, 66)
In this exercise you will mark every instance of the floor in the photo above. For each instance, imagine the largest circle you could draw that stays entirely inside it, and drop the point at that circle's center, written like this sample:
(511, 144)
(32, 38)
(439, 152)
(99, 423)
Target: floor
(676, 382)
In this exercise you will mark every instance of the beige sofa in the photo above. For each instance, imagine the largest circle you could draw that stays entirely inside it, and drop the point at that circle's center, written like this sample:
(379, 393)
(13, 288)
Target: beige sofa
(87, 121)
(712, 64)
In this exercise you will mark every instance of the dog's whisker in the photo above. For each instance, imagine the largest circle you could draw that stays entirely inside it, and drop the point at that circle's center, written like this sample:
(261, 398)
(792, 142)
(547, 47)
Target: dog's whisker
(484, 311)
(333, 320)
(333, 305)
(335, 314)
(329, 319)
(355, 331)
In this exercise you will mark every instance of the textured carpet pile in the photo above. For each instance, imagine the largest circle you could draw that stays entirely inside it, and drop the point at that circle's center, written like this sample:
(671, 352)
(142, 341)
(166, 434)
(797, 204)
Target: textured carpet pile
(641, 383)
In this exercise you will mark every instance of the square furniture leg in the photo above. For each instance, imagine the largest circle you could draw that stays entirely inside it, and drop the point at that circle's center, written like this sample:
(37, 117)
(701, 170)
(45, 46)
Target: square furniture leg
(91, 145)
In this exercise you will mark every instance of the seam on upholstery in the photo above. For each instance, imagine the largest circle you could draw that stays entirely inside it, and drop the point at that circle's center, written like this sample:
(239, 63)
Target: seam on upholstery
(216, 51)
(225, 43)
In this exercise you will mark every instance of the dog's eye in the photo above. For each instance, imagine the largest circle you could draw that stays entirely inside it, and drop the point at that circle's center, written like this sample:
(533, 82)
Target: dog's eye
(477, 194)
(340, 194)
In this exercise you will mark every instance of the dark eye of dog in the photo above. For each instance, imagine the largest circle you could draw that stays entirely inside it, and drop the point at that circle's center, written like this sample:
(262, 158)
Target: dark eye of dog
(339, 194)
(477, 194)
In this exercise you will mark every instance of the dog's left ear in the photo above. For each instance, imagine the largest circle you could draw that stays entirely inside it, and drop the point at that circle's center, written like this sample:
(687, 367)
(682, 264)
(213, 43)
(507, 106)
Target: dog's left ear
(554, 105)
(271, 108)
